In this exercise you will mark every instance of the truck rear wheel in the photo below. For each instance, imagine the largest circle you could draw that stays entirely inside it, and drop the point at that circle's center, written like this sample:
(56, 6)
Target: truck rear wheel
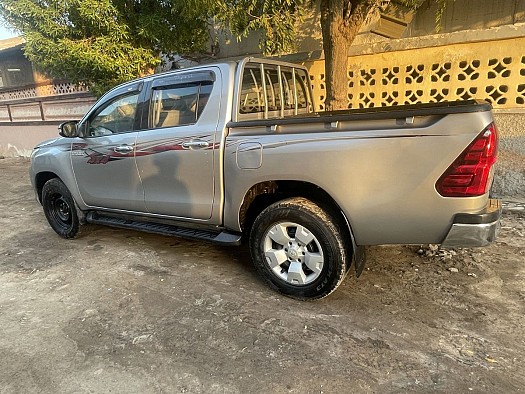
(299, 249)
(59, 208)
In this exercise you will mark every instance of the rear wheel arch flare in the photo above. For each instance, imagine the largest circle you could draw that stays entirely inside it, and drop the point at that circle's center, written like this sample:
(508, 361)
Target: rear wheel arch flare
(262, 195)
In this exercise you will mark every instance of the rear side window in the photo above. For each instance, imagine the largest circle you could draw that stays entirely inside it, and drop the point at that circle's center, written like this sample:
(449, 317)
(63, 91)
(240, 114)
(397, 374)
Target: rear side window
(272, 91)
(178, 105)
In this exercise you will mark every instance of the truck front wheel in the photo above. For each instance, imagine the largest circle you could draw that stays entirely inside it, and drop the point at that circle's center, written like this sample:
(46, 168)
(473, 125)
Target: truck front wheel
(59, 208)
(298, 248)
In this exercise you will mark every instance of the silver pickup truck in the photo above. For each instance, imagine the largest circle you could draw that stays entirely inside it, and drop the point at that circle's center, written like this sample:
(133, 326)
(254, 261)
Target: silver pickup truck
(235, 151)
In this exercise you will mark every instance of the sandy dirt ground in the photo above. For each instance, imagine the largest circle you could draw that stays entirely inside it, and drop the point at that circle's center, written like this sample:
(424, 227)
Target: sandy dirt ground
(127, 312)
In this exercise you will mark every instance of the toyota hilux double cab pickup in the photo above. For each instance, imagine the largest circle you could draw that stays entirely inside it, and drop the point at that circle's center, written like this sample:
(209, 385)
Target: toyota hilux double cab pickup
(235, 151)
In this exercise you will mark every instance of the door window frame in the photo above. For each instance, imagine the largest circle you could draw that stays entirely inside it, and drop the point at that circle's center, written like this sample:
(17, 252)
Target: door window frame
(109, 98)
(198, 78)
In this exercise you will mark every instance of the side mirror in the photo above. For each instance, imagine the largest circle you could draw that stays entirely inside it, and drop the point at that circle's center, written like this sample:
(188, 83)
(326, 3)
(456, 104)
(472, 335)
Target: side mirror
(68, 129)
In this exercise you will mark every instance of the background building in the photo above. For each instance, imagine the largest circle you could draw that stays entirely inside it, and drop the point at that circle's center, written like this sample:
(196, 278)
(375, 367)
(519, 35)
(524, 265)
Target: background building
(15, 69)
(31, 105)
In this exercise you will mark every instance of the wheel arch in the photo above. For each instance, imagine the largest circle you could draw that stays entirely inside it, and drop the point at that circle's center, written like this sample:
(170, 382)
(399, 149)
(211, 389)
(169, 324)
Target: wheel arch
(263, 194)
(40, 180)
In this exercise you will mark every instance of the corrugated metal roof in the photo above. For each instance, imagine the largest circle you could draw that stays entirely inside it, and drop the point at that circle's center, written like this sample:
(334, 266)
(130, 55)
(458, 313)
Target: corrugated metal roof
(11, 43)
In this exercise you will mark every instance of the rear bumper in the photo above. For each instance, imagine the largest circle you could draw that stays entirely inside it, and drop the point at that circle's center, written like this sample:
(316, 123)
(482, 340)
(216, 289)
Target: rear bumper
(471, 230)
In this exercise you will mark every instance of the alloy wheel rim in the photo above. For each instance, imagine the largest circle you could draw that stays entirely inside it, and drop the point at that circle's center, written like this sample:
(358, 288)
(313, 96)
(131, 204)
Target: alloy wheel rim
(293, 253)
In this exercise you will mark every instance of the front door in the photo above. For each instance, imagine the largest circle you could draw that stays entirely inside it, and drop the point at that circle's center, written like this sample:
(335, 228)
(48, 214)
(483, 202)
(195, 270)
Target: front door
(177, 156)
(103, 159)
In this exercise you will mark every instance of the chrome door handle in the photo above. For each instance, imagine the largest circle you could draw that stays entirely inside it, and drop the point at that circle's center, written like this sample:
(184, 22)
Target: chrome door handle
(123, 149)
(195, 144)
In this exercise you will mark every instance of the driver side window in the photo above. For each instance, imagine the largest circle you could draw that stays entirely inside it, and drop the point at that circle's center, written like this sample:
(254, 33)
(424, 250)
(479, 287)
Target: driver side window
(117, 116)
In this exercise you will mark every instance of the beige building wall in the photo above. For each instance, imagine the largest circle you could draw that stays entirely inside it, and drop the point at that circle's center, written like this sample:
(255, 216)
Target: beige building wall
(25, 122)
(19, 140)
(467, 15)
(510, 168)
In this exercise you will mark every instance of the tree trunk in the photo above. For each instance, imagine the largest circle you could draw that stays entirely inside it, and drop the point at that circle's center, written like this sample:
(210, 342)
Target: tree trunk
(340, 23)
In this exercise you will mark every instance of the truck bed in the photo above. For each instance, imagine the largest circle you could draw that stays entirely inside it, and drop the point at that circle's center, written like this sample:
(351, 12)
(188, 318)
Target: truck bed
(380, 165)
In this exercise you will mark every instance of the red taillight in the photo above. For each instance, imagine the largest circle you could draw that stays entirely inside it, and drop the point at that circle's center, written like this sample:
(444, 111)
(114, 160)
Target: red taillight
(470, 174)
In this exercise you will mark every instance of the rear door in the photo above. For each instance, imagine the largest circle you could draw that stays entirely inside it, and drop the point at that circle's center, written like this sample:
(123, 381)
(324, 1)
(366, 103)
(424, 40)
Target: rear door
(103, 159)
(178, 153)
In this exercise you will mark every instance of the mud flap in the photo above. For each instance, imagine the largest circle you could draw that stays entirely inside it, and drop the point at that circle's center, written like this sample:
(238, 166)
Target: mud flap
(359, 260)
(358, 255)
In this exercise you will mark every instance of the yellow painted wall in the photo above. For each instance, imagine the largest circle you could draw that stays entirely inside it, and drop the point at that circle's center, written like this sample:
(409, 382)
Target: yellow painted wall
(490, 70)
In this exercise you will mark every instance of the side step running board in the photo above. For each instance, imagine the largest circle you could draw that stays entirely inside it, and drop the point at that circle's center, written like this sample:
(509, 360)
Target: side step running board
(222, 238)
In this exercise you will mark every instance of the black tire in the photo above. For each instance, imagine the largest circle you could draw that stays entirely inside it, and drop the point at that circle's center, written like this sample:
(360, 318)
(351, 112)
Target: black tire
(328, 244)
(60, 209)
